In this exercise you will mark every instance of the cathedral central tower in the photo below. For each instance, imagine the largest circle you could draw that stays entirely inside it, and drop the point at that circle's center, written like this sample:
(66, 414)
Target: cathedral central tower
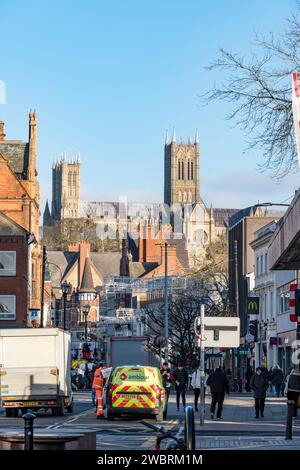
(181, 171)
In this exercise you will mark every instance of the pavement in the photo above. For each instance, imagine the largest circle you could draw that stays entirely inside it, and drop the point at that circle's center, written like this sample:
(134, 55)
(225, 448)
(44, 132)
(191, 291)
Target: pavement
(238, 430)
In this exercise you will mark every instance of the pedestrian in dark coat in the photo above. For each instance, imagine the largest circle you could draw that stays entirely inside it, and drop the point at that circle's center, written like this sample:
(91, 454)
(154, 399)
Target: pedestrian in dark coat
(259, 385)
(293, 389)
(181, 379)
(277, 379)
(219, 384)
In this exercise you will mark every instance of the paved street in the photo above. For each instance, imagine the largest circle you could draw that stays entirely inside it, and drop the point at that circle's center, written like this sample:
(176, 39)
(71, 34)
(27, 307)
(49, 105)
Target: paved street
(238, 430)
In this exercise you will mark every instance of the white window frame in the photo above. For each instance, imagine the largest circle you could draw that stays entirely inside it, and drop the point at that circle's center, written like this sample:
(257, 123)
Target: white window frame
(9, 272)
(8, 316)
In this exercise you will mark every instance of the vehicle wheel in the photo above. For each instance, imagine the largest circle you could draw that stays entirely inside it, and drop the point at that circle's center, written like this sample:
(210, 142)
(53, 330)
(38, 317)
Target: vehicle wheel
(236, 388)
(70, 408)
(160, 415)
(60, 410)
(8, 412)
(110, 416)
(189, 429)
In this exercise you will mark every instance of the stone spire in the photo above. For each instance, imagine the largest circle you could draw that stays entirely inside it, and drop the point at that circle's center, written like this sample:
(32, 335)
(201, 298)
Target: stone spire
(173, 136)
(197, 137)
(47, 220)
(31, 170)
(167, 138)
(87, 283)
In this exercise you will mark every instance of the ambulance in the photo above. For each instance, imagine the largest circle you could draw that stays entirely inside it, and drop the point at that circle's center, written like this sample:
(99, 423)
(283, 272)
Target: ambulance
(136, 391)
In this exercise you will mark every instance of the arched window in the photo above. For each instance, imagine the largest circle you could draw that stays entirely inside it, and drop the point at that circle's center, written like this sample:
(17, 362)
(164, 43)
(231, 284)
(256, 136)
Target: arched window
(70, 183)
(192, 170)
(179, 170)
(74, 183)
(188, 171)
(182, 170)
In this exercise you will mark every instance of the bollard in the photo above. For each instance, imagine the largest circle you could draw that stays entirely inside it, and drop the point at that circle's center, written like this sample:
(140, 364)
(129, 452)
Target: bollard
(289, 420)
(189, 428)
(28, 431)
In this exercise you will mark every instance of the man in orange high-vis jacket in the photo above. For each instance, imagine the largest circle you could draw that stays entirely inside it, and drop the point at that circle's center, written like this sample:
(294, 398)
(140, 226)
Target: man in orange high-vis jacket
(98, 385)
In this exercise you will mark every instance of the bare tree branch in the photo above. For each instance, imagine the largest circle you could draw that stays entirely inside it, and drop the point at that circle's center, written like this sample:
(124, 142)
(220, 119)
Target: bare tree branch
(259, 90)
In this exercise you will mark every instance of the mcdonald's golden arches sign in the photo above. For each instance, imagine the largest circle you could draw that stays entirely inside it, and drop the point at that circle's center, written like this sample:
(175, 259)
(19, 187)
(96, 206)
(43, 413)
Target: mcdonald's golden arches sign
(252, 305)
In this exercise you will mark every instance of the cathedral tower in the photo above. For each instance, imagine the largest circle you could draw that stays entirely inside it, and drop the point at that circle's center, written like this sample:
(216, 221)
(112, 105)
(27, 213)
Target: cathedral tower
(181, 171)
(66, 189)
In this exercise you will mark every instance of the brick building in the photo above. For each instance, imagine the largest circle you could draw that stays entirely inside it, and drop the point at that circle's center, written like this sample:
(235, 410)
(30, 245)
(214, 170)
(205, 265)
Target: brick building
(13, 273)
(20, 198)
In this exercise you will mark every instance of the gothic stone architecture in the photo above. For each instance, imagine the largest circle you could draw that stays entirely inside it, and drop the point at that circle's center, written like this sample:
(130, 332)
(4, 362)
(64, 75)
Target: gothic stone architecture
(191, 220)
(181, 172)
(65, 191)
(189, 215)
(20, 198)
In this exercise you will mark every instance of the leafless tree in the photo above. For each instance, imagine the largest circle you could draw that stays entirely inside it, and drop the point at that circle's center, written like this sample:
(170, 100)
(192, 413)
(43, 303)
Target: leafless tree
(182, 313)
(208, 285)
(259, 89)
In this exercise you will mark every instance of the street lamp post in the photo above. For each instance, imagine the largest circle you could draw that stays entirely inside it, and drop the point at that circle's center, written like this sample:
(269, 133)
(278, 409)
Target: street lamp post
(65, 287)
(85, 311)
(166, 306)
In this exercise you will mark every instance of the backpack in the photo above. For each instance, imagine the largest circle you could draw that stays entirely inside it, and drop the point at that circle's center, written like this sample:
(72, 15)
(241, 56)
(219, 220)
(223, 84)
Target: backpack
(294, 382)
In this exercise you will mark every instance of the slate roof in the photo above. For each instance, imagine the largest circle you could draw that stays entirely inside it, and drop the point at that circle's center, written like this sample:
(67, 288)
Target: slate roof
(17, 155)
(222, 216)
(105, 263)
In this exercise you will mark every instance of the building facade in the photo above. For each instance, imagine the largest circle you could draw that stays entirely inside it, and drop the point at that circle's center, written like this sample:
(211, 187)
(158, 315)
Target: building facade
(273, 289)
(14, 267)
(20, 198)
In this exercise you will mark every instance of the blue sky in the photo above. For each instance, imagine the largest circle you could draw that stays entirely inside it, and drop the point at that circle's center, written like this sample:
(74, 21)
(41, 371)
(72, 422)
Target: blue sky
(108, 77)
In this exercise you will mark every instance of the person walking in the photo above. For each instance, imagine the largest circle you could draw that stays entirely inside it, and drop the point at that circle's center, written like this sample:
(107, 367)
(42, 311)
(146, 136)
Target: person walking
(259, 384)
(292, 389)
(181, 380)
(277, 379)
(98, 385)
(167, 377)
(219, 384)
(269, 378)
(196, 386)
(248, 377)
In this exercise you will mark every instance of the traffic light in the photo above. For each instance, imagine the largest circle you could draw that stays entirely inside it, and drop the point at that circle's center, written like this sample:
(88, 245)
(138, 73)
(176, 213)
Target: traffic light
(216, 334)
(297, 302)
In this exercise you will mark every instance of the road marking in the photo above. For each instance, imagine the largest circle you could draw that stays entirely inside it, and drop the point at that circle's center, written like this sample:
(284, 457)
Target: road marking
(75, 418)
(51, 426)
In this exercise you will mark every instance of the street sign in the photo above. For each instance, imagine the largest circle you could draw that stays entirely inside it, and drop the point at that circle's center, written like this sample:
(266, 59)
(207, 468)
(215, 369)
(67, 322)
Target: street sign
(221, 332)
(252, 305)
